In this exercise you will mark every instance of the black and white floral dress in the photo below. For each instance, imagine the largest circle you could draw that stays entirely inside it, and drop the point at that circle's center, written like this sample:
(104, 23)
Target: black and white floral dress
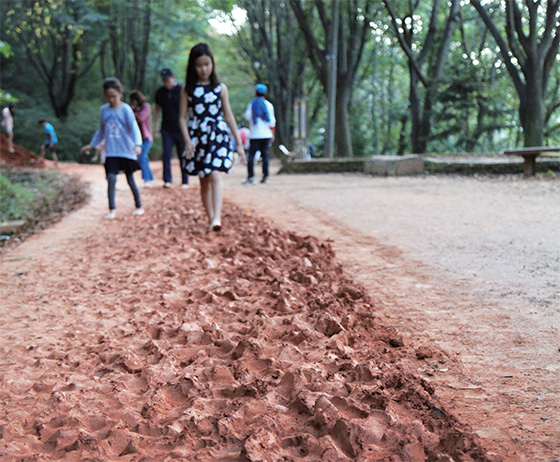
(209, 132)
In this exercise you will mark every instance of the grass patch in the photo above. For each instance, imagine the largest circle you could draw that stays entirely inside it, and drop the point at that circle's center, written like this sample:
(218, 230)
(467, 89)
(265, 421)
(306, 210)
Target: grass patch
(37, 197)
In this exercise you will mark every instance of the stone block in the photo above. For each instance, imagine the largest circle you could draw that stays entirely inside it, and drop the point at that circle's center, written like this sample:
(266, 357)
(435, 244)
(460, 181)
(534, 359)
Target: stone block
(394, 165)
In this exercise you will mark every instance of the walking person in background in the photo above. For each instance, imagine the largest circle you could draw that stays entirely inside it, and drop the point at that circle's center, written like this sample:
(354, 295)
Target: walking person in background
(143, 113)
(244, 133)
(51, 140)
(168, 102)
(207, 140)
(123, 143)
(260, 114)
(8, 124)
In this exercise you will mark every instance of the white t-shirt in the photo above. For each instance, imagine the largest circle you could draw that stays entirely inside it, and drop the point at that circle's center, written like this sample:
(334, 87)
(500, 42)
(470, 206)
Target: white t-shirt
(7, 120)
(261, 130)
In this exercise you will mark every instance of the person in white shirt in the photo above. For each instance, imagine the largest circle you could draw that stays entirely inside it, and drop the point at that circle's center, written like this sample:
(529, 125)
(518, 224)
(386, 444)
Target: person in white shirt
(260, 114)
(8, 124)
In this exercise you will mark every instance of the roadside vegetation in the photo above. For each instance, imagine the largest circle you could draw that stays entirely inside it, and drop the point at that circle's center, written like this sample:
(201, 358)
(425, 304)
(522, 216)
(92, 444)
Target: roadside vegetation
(36, 199)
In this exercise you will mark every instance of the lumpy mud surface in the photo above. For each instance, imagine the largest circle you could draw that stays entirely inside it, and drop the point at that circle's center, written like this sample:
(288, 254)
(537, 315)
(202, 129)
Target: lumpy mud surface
(148, 338)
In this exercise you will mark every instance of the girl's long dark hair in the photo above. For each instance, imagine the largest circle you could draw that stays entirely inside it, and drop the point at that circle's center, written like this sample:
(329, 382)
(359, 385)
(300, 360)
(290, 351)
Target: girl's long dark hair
(191, 79)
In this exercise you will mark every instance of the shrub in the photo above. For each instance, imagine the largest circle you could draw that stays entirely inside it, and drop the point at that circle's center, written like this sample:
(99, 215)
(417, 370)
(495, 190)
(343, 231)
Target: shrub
(39, 197)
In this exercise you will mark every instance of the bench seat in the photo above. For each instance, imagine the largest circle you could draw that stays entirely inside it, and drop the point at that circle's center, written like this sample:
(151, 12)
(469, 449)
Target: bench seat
(529, 155)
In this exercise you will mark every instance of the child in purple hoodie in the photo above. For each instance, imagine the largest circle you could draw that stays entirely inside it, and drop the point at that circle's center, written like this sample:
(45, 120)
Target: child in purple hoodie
(123, 142)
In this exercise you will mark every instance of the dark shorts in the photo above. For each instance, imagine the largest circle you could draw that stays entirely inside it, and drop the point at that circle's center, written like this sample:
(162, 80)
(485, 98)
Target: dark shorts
(48, 146)
(115, 165)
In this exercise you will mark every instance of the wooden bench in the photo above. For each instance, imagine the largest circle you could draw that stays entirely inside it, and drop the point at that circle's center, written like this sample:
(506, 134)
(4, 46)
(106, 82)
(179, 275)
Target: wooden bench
(530, 155)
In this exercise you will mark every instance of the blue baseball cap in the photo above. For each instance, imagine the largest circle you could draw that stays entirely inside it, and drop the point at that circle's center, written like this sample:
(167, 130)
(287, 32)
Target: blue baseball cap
(261, 88)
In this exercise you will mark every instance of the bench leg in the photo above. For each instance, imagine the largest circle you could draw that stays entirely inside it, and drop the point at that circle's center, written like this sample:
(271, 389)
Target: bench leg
(529, 165)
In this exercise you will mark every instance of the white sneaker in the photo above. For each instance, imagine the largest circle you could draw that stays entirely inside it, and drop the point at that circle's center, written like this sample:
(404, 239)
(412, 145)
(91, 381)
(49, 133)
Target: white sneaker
(167, 185)
(138, 211)
(112, 214)
(185, 186)
(148, 184)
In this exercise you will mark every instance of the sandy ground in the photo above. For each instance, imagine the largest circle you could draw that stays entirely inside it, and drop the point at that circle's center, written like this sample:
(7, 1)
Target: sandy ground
(149, 339)
(469, 264)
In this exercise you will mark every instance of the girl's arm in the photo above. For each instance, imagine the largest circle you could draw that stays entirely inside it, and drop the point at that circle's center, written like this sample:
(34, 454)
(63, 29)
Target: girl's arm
(230, 120)
(98, 137)
(184, 109)
(133, 129)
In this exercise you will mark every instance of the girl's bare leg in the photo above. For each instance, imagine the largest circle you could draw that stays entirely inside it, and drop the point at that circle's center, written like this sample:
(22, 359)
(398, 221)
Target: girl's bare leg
(206, 196)
(217, 199)
(211, 192)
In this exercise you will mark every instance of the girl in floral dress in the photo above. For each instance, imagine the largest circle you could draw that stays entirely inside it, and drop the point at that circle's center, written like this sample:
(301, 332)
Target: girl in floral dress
(207, 140)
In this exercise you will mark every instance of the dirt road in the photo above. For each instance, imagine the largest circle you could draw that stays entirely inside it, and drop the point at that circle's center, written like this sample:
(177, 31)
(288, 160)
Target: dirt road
(469, 264)
(149, 339)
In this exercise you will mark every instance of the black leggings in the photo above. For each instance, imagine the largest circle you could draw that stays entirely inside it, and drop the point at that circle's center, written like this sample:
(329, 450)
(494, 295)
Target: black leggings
(112, 182)
(254, 146)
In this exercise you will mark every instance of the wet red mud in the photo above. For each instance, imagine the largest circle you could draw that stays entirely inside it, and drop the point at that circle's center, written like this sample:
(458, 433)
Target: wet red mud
(149, 339)
(21, 157)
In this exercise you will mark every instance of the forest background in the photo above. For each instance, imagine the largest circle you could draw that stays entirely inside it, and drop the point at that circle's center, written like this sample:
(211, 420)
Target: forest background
(412, 76)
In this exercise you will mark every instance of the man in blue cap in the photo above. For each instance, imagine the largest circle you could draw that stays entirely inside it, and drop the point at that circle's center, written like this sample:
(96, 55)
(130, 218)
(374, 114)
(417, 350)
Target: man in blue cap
(168, 101)
(260, 114)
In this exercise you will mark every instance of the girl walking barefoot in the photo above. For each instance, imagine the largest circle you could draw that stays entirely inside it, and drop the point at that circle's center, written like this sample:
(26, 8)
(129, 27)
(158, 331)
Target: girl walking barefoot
(207, 141)
(123, 143)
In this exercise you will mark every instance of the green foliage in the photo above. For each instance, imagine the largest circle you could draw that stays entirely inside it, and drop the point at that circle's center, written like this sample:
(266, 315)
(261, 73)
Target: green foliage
(59, 40)
(473, 110)
(17, 200)
(73, 132)
(6, 52)
(235, 72)
(39, 197)
(34, 22)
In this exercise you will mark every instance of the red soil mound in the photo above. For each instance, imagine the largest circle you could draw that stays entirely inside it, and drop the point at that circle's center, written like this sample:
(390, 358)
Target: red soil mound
(21, 157)
(246, 345)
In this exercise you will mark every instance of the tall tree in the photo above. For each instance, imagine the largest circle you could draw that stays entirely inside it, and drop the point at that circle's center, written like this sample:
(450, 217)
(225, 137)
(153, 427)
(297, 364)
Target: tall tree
(353, 33)
(474, 95)
(426, 60)
(270, 40)
(129, 27)
(59, 37)
(528, 46)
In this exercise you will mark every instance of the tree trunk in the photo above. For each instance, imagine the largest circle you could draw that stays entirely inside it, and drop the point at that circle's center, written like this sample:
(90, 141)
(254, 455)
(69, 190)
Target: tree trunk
(390, 98)
(415, 114)
(343, 139)
(532, 111)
